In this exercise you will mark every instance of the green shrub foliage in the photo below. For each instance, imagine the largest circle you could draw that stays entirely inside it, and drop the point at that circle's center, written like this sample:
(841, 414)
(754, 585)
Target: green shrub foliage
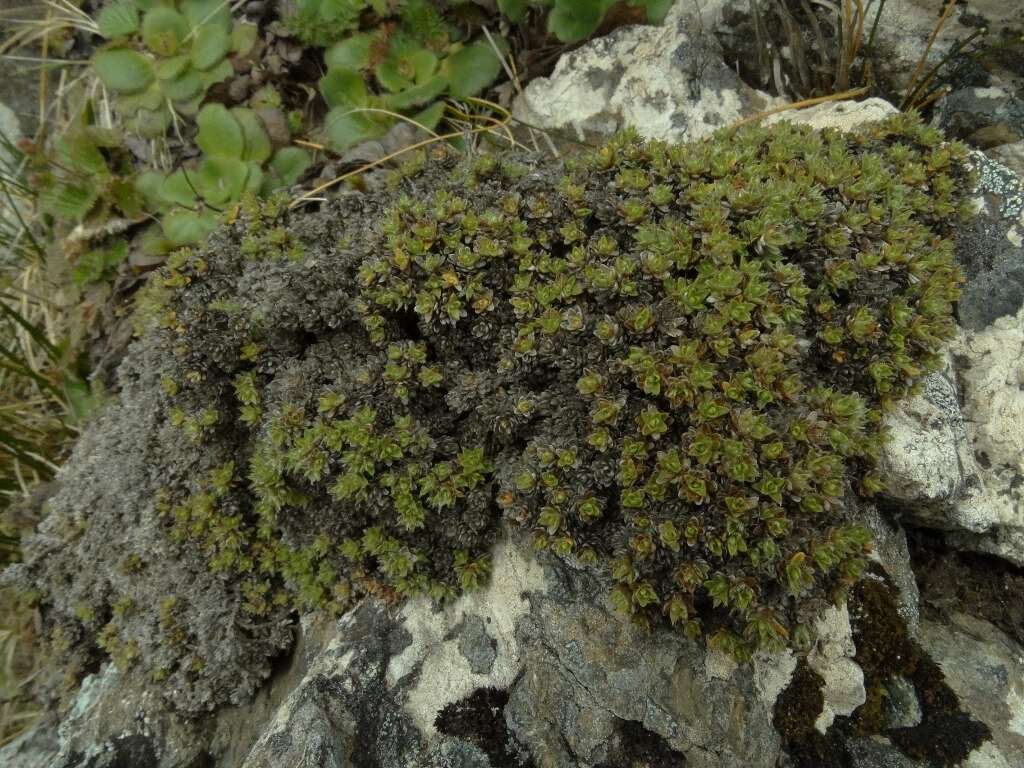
(666, 362)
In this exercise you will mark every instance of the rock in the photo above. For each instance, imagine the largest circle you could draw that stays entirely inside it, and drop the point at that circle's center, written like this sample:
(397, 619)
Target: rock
(991, 115)
(901, 708)
(876, 752)
(832, 658)
(906, 26)
(955, 460)
(1010, 155)
(958, 467)
(574, 673)
(669, 82)
(891, 552)
(986, 670)
(843, 115)
(10, 131)
(989, 248)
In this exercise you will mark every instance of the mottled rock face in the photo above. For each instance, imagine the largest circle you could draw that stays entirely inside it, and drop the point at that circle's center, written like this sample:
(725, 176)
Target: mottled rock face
(955, 460)
(668, 81)
(535, 669)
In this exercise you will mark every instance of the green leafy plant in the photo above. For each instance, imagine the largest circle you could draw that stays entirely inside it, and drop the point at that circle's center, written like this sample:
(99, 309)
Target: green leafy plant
(680, 364)
(574, 20)
(162, 58)
(666, 363)
(236, 149)
(324, 22)
(401, 69)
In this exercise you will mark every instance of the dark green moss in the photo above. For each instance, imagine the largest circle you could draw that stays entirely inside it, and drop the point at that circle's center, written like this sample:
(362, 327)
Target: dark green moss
(797, 708)
(479, 718)
(667, 362)
(946, 734)
(633, 746)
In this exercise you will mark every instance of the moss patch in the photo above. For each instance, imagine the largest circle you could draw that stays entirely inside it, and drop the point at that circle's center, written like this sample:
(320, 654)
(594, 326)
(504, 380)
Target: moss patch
(667, 362)
(480, 719)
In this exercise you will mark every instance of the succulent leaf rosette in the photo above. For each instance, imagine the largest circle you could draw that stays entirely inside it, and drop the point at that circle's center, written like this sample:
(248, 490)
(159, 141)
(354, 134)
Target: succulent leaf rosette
(666, 363)
(162, 58)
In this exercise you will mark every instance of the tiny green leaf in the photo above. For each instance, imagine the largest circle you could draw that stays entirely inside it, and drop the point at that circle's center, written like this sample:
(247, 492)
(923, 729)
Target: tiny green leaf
(344, 88)
(210, 45)
(471, 69)
(118, 19)
(351, 53)
(163, 30)
(220, 134)
(123, 70)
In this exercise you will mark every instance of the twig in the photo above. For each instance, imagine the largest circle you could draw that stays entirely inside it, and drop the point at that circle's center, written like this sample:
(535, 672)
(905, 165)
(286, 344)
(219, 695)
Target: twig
(946, 13)
(842, 96)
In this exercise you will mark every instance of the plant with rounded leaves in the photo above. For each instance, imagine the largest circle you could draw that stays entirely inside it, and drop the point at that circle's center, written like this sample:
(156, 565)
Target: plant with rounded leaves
(403, 68)
(574, 20)
(667, 363)
(236, 148)
(163, 57)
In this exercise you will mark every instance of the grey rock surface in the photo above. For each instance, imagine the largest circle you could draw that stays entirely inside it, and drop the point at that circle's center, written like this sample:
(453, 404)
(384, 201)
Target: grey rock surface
(986, 669)
(669, 82)
(1010, 155)
(979, 112)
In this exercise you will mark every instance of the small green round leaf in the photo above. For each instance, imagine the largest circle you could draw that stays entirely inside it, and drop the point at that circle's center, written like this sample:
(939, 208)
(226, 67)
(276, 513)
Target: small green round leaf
(423, 63)
(574, 20)
(513, 9)
(148, 185)
(221, 179)
(210, 44)
(471, 69)
(188, 85)
(285, 168)
(254, 179)
(217, 74)
(344, 88)
(257, 143)
(243, 38)
(417, 95)
(168, 69)
(185, 227)
(118, 20)
(201, 13)
(389, 75)
(345, 128)
(163, 30)
(123, 70)
(219, 135)
(151, 123)
(351, 53)
(431, 116)
(177, 189)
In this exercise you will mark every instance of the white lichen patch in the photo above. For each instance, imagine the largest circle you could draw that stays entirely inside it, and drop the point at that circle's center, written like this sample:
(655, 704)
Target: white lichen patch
(772, 673)
(832, 658)
(444, 673)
